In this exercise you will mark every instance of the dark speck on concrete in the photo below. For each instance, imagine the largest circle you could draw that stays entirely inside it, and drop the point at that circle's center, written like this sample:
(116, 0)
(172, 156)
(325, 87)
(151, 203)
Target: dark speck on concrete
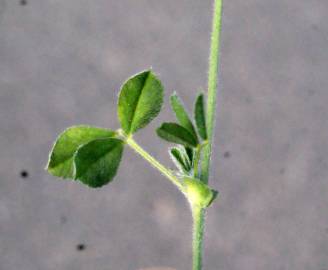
(282, 171)
(227, 154)
(24, 174)
(326, 230)
(63, 220)
(314, 26)
(80, 247)
(23, 2)
(248, 100)
(311, 92)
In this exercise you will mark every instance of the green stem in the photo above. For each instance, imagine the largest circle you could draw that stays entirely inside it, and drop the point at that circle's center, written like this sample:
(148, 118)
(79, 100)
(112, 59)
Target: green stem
(136, 147)
(198, 232)
(212, 87)
(199, 214)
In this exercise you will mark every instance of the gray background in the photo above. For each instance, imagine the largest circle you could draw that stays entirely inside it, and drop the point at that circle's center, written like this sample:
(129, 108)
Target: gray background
(62, 63)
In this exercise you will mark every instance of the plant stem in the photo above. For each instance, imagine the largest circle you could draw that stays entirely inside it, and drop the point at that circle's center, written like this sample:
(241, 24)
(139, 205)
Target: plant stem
(198, 231)
(136, 147)
(212, 87)
(199, 214)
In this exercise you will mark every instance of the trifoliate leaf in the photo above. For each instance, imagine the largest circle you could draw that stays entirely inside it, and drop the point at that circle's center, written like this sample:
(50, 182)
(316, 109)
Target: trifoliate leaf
(61, 156)
(175, 133)
(96, 162)
(140, 101)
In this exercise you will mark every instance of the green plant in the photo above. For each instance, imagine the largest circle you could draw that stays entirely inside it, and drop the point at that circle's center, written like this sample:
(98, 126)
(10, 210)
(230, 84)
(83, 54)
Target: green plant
(92, 155)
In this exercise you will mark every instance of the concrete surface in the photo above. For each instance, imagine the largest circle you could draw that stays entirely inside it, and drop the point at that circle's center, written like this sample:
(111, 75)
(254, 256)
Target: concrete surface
(62, 63)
